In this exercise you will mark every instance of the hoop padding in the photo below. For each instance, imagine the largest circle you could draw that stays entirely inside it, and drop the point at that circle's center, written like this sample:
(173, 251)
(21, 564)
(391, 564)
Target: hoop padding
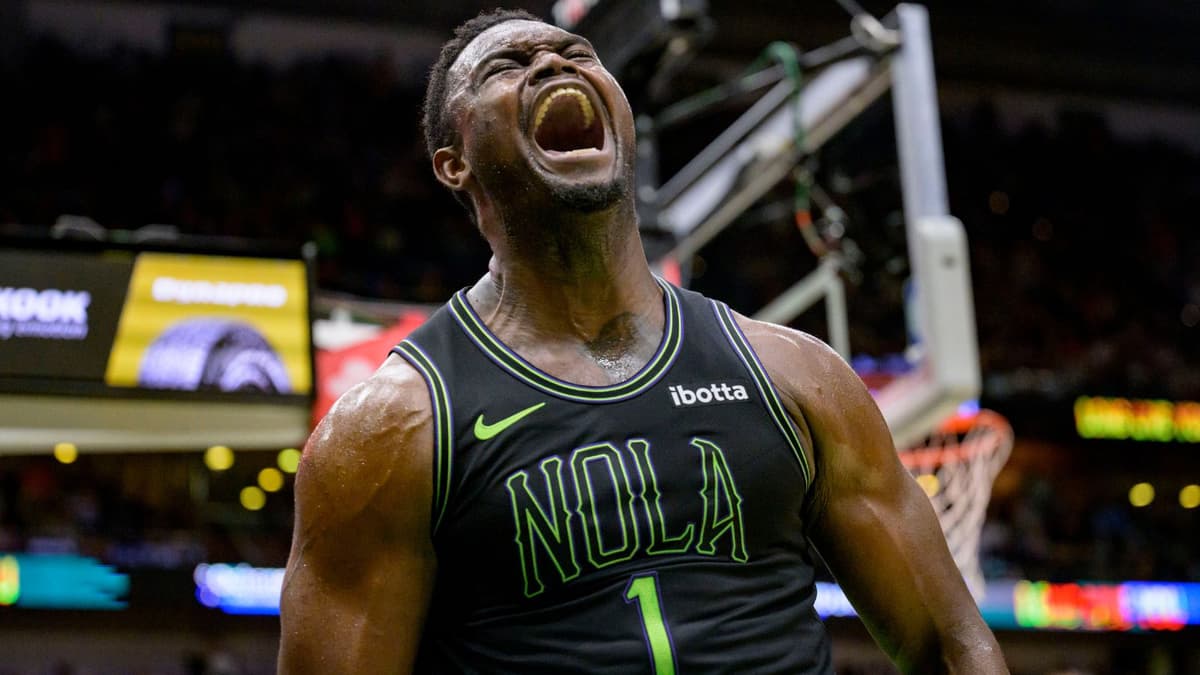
(957, 466)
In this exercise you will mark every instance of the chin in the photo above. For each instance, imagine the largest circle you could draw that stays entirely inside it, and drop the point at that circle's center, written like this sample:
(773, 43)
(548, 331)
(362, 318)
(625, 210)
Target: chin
(586, 180)
(589, 197)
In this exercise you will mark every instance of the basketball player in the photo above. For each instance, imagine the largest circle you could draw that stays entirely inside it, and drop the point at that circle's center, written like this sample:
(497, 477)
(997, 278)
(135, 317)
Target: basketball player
(576, 467)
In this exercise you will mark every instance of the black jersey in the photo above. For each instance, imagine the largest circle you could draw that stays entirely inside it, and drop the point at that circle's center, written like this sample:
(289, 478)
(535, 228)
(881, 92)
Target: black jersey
(653, 526)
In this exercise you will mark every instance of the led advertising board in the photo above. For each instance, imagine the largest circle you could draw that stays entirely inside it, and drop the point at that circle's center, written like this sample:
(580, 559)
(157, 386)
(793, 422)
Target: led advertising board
(117, 346)
(1132, 606)
(60, 582)
(1156, 421)
(213, 323)
(58, 313)
(1008, 605)
(153, 320)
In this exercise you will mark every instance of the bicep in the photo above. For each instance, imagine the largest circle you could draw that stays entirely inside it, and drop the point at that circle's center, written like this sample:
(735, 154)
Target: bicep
(361, 569)
(867, 517)
(352, 609)
(876, 529)
(881, 539)
(370, 624)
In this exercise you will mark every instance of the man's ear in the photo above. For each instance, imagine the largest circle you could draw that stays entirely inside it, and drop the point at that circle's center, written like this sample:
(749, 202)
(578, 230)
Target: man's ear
(450, 168)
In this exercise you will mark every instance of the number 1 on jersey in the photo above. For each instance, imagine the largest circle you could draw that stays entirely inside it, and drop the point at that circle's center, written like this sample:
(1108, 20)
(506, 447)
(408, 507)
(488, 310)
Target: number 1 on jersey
(643, 589)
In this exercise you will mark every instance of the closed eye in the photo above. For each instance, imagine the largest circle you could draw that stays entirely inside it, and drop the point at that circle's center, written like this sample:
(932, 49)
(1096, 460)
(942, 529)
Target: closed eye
(499, 66)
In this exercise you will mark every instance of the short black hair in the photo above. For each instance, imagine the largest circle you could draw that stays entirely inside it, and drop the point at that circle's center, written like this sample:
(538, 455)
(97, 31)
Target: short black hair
(437, 125)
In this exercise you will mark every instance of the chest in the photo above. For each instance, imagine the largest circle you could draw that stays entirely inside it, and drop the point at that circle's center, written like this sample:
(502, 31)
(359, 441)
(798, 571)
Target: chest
(553, 493)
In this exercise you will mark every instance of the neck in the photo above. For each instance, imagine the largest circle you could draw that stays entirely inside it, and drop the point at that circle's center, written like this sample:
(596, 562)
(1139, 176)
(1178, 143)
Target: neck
(579, 277)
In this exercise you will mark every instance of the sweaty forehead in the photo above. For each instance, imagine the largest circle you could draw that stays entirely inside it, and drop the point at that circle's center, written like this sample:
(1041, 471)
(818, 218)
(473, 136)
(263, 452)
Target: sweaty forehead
(514, 34)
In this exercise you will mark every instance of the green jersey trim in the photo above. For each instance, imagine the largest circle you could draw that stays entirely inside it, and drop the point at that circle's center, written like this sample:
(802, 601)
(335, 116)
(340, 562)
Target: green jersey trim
(769, 396)
(526, 372)
(443, 427)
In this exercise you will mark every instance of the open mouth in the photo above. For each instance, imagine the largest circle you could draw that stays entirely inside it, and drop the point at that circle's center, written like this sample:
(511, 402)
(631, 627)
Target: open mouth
(566, 121)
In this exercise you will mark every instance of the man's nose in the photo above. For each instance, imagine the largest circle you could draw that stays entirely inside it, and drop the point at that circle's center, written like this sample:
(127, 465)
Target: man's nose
(550, 64)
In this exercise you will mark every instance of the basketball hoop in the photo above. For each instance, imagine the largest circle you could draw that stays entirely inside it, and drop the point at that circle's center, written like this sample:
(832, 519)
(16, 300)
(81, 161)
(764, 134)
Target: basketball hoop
(956, 466)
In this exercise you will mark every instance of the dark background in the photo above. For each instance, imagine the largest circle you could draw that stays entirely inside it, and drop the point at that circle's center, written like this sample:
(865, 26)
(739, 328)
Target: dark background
(1072, 140)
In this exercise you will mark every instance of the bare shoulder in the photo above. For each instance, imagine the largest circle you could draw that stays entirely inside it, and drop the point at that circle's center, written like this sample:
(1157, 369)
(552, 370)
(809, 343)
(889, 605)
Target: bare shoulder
(807, 372)
(362, 563)
(374, 447)
(843, 431)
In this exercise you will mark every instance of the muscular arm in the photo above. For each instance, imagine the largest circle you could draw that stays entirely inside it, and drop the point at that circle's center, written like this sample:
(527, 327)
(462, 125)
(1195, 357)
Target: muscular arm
(361, 568)
(871, 522)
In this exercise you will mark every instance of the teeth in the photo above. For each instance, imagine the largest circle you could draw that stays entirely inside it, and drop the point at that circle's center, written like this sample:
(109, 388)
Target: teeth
(584, 104)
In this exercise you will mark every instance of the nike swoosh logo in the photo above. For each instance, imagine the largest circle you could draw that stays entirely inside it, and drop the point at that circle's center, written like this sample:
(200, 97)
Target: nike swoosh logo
(484, 431)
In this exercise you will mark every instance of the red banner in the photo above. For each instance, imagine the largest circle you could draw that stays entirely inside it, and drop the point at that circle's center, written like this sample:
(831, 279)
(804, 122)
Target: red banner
(340, 369)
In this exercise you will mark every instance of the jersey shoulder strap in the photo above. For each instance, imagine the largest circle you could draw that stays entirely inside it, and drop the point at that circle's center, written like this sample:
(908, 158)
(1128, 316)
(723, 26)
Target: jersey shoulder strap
(424, 349)
(725, 334)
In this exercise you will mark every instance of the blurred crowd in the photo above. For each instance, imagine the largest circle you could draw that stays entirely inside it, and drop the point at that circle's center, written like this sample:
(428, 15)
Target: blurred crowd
(170, 512)
(160, 512)
(1083, 255)
(1054, 528)
(1085, 261)
(327, 151)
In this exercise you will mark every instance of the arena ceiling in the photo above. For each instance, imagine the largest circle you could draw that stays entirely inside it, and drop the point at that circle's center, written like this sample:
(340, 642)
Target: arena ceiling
(1112, 48)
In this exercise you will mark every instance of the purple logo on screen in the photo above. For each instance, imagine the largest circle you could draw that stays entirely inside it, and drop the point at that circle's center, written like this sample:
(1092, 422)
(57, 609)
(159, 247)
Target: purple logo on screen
(214, 355)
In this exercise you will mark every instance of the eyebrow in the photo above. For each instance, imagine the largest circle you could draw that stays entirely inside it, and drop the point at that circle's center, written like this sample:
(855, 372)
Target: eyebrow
(509, 51)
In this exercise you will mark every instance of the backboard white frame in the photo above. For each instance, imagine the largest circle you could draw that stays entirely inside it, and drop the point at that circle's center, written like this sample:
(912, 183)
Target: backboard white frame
(758, 151)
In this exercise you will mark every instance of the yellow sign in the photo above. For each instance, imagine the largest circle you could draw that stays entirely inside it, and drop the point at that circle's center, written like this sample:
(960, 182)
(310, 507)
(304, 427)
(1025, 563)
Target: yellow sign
(212, 323)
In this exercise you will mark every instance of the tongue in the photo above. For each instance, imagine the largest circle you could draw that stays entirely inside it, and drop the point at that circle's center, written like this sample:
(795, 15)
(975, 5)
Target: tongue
(563, 130)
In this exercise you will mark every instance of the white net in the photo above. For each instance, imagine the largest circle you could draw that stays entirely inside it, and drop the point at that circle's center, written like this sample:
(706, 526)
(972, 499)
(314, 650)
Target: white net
(956, 467)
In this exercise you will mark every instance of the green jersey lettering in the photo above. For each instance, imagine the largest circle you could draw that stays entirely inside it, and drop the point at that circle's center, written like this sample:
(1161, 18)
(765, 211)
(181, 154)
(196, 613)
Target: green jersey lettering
(660, 542)
(643, 589)
(603, 463)
(545, 528)
(722, 504)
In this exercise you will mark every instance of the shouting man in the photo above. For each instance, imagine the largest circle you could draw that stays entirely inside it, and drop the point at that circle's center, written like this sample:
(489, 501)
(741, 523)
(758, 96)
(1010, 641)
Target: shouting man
(574, 466)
